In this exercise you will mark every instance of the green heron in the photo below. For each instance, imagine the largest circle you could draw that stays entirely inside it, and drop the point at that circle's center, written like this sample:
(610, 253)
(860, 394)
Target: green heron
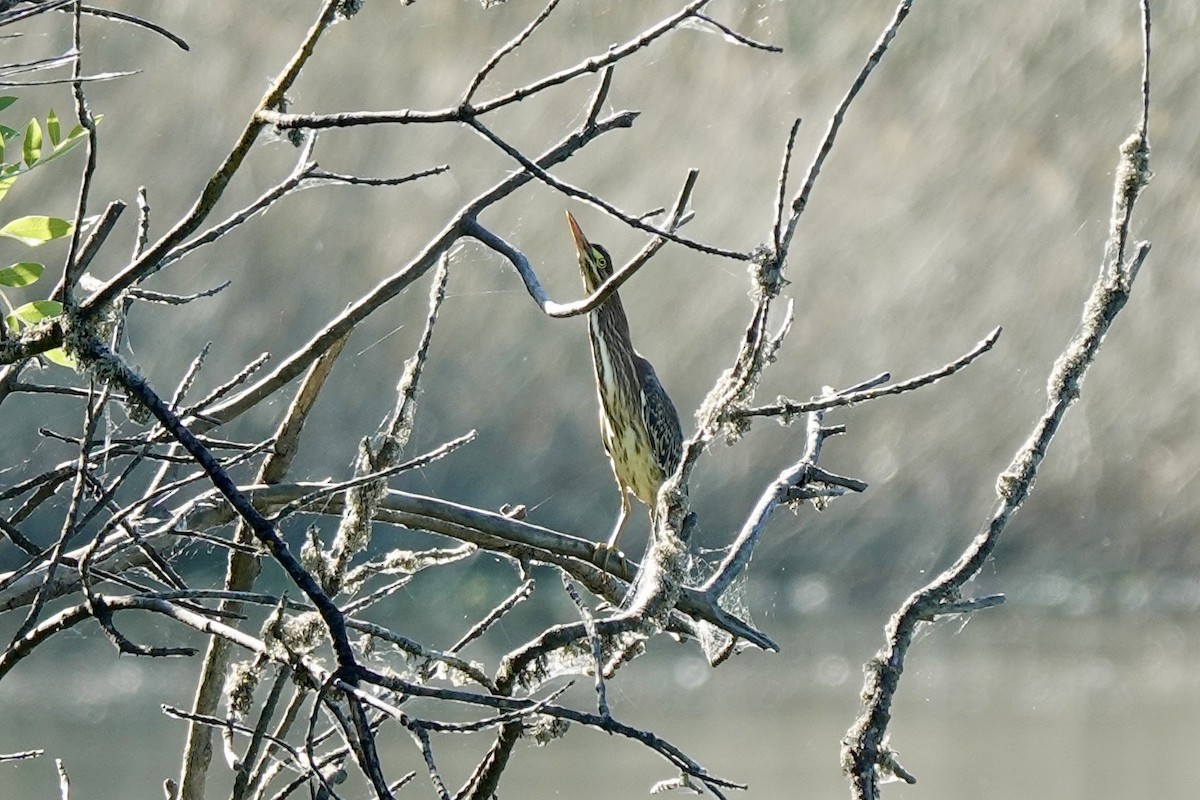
(638, 421)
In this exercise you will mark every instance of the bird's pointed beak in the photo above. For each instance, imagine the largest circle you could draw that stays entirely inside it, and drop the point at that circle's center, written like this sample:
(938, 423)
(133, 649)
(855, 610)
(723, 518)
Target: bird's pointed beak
(581, 243)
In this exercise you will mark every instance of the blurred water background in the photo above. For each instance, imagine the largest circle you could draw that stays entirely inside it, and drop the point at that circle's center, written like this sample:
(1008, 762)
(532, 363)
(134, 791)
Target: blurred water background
(970, 188)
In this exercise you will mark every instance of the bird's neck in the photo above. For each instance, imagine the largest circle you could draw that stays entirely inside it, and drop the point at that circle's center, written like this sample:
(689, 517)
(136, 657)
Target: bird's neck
(609, 315)
(613, 369)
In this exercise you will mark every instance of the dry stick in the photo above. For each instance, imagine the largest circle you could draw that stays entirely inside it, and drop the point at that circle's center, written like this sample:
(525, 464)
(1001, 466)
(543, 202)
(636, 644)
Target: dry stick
(781, 194)
(305, 172)
(550, 308)
(310, 743)
(865, 753)
(435, 776)
(130, 19)
(732, 35)
(227, 725)
(522, 592)
(271, 764)
(358, 733)
(162, 298)
(64, 781)
(848, 398)
(65, 293)
(799, 474)
(249, 759)
(76, 266)
(264, 201)
(800, 202)
(417, 650)
(103, 76)
(510, 46)
(244, 374)
(354, 531)
(589, 627)
(570, 190)
(323, 493)
(242, 570)
(9, 17)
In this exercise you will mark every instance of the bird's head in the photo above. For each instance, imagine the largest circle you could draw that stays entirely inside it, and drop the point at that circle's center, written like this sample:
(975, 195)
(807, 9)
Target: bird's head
(594, 262)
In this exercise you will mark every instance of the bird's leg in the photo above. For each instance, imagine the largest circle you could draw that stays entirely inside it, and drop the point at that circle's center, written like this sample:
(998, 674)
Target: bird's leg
(616, 534)
(606, 549)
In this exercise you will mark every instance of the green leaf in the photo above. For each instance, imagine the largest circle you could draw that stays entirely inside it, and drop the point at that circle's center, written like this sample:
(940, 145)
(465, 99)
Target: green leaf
(79, 131)
(52, 129)
(60, 357)
(12, 323)
(23, 273)
(78, 134)
(38, 310)
(7, 132)
(36, 230)
(6, 101)
(5, 184)
(32, 148)
(67, 146)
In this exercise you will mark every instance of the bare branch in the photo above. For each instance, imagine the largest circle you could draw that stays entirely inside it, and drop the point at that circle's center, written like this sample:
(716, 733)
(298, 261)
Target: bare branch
(854, 395)
(800, 201)
(529, 277)
(865, 754)
(140, 22)
(631, 220)
(512, 45)
(732, 35)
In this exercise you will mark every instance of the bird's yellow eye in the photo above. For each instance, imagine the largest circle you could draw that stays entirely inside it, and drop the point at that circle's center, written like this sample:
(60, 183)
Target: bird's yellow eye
(600, 256)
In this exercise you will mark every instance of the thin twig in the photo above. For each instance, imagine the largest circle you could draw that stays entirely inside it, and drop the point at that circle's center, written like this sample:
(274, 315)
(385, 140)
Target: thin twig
(461, 113)
(679, 215)
(734, 36)
(851, 397)
(71, 268)
(781, 195)
(509, 47)
(632, 220)
(140, 22)
(522, 592)
(589, 626)
(800, 201)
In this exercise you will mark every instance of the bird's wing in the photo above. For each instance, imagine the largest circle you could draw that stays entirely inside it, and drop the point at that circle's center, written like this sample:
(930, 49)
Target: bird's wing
(660, 416)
